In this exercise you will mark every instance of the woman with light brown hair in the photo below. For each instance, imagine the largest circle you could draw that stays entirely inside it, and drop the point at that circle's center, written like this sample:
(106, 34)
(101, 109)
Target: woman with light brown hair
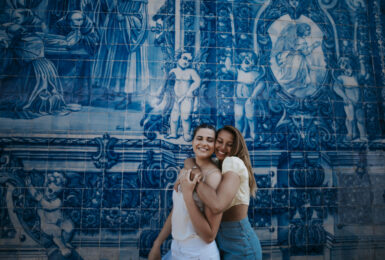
(192, 225)
(236, 238)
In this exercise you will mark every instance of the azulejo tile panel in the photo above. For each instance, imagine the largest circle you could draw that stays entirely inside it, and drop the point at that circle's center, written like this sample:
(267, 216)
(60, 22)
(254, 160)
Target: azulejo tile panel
(99, 99)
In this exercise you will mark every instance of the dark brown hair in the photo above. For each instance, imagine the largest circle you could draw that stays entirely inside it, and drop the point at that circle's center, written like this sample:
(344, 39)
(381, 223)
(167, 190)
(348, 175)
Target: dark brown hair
(239, 149)
(204, 125)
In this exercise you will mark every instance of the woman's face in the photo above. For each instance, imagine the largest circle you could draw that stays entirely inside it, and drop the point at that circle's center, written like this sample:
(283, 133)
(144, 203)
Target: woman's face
(223, 144)
(203, 143)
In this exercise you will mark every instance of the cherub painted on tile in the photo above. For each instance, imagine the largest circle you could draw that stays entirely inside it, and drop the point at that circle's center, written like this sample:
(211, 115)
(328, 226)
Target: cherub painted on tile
(52, 221)
(187, 80)
(346, 86)
(249, 85)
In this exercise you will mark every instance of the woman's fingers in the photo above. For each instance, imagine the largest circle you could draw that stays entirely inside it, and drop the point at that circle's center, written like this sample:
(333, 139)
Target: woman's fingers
(188, 175)
(192, 179)
(196, 179)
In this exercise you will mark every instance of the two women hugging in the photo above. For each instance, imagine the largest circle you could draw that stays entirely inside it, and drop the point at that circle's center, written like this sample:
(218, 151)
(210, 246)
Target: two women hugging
(210, 201)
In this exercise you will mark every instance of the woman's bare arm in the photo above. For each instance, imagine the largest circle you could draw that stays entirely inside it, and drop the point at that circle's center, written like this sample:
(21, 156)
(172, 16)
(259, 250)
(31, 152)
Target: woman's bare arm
(218, 200)
(155, 253)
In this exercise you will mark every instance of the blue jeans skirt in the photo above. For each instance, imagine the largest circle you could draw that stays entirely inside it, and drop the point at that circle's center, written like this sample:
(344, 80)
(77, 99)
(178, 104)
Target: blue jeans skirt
(237, 240)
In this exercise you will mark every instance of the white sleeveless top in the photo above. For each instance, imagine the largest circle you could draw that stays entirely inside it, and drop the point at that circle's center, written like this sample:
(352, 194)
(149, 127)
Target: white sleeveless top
(181, 225)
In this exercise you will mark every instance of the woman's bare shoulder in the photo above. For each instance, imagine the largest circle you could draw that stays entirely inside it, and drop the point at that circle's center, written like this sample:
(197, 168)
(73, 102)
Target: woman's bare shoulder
(213, 177)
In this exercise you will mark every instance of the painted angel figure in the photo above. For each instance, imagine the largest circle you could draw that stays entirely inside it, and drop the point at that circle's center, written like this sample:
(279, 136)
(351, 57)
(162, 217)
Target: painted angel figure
(52, 220)
(347, 87)
(249, 86)
(292, 54)
(176, 98)
(187, 80)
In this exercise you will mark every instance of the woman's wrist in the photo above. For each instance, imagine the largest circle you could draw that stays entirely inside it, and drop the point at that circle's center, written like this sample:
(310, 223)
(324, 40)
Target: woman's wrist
(156, 243)
(187, 196)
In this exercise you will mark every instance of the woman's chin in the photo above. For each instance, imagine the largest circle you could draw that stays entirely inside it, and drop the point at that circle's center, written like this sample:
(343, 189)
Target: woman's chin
(203, 156)
(220, 157)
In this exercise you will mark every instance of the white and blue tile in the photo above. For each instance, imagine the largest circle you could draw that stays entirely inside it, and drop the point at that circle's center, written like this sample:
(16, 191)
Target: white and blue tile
(93, 129)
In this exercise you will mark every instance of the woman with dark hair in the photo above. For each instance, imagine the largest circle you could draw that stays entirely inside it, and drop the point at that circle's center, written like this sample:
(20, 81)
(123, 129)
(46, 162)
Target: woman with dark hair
(192, 225)
(236, 238)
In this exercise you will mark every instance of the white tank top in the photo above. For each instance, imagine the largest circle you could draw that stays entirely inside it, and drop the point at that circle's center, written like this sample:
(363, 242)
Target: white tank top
(181, 225)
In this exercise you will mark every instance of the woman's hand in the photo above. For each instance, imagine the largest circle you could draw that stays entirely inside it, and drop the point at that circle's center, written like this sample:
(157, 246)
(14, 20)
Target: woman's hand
(188, 185)
(195, 171)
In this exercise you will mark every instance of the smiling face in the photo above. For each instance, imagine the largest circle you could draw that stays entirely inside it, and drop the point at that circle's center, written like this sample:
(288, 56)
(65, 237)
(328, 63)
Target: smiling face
(224, 144)
(203, 143)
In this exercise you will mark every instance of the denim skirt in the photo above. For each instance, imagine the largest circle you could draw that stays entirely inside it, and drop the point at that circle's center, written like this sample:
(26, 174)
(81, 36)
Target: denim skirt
(237, 240)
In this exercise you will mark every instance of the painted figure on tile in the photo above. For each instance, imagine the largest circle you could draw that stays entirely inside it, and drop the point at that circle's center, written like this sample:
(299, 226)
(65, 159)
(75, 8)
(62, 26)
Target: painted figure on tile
(347, 87)
(249, 85)
(163, 29)
(187, 80)
(293, 55)
(118, 60)
(92, 9)
(41, 87)
(79, 31)
(52, 220)
(5, 42)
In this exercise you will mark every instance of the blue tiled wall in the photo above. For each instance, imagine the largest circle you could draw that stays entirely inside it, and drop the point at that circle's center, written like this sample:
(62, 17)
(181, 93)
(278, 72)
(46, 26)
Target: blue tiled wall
(98, 99)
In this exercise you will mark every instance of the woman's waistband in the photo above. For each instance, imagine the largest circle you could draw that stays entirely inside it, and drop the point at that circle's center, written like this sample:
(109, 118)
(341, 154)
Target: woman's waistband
(193, 241)
(235, 224)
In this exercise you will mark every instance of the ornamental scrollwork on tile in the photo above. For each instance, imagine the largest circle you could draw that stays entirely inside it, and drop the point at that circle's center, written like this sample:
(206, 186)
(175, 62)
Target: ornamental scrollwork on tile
(105, 157)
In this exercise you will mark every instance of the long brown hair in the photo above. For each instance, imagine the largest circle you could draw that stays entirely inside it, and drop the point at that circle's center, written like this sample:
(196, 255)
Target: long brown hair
(239, 149)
